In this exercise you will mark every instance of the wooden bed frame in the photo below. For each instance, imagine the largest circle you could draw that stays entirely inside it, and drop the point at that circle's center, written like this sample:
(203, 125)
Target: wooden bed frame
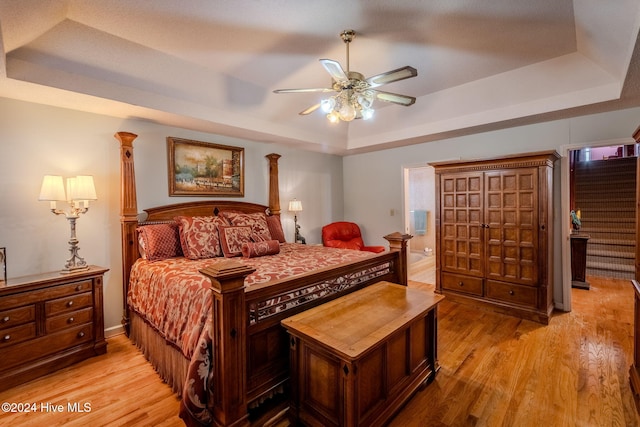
(251, 357)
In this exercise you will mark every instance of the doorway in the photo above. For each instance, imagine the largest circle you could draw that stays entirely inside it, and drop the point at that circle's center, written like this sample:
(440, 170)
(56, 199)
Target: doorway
(598, 151)
(419, 210)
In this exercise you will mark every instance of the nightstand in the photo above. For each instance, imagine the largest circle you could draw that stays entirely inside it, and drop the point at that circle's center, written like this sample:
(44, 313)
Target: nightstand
(49, 321)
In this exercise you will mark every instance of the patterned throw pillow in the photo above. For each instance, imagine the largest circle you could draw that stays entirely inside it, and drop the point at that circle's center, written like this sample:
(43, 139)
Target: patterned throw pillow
(256, 249)
(257, 222)
(232, 238)
(199, 236)
(275, 228)
(159, 241)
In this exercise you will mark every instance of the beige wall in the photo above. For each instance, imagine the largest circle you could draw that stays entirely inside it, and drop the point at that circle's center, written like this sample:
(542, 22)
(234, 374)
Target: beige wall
(36, 140)
(373, 182)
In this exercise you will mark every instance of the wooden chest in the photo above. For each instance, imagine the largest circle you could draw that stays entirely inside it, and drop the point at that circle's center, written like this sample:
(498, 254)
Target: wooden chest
(356, 360)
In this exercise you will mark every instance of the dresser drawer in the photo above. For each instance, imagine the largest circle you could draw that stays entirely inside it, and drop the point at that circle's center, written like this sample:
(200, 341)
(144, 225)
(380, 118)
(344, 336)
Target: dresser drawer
(19, 299)
(460, 283)
(43, 346)
(73, 288)
(17, 316)
(67, 304)
(11, 336)
(68, 320)
(513, 294)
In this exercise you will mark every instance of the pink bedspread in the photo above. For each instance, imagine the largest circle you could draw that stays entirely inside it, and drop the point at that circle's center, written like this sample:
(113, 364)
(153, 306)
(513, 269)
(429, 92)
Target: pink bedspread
(174, 298)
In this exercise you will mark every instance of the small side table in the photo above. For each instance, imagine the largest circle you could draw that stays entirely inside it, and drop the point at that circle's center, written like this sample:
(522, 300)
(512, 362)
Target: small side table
(579, 261)
(49, 321)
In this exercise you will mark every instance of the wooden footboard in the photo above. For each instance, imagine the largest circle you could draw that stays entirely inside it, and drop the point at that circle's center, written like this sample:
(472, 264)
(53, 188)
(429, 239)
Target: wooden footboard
(251, 347)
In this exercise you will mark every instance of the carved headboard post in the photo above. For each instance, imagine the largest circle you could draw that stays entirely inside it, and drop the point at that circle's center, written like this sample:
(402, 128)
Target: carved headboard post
(274, 189)
(128, 215)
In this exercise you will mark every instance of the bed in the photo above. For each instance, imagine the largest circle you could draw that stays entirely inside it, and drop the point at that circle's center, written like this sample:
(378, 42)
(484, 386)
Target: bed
(214, 335)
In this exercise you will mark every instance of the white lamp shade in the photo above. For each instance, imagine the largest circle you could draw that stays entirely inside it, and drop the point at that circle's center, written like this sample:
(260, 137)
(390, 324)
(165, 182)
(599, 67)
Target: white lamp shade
(295, 205)
(81, 188)
(52, 189)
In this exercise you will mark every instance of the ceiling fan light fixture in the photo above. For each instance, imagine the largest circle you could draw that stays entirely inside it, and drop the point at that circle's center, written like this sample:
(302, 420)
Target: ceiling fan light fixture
(347, 112)
(367, 113)
(333, 117)
(354, 94)
(327, 105)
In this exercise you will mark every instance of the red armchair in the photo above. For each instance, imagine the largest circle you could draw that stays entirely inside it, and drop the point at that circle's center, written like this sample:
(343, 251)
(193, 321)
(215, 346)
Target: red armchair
(346, 235)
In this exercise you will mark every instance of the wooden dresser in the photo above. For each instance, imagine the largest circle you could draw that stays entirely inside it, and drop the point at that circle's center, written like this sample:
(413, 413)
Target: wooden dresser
(356, 360)
(494, 242)
(49, 321)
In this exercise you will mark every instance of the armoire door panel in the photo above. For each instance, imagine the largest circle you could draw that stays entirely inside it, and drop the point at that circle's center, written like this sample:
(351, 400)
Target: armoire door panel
(462, 223)
(448, 200)
(512, 213)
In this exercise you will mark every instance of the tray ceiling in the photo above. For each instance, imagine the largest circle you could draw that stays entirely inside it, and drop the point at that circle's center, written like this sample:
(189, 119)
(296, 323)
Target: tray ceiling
(212, 66)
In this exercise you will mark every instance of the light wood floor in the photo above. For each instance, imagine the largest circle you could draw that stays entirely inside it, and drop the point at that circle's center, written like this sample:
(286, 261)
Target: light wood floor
(496, 370)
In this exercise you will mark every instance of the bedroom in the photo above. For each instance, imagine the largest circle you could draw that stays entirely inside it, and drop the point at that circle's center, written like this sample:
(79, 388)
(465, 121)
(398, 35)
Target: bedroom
(39, 139)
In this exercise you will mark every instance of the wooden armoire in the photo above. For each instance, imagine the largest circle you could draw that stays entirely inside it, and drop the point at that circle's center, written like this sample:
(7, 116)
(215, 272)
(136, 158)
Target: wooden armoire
(494, 233)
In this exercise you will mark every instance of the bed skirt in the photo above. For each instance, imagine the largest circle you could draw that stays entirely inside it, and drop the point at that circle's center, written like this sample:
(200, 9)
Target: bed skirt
(167, 360)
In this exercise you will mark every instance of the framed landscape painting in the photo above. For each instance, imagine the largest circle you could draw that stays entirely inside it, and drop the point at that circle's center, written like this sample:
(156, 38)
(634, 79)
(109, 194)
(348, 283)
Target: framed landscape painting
(204, 169)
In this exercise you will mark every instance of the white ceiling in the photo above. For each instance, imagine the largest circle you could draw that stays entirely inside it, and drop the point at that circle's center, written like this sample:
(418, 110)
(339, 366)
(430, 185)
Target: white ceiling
(212, 65)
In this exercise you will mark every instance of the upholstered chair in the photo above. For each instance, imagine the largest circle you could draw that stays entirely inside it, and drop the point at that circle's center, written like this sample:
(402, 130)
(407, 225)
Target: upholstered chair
(346, 235)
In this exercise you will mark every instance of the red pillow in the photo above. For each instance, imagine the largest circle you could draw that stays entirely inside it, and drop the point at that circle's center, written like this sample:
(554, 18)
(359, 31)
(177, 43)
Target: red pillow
(256, 249)
(232, 238)
(199, 236)
(275, 228)
(159, 241)
(257, 221)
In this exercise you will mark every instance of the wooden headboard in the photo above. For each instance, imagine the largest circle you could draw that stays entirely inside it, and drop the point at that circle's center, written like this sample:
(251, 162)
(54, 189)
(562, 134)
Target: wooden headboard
(129, 214)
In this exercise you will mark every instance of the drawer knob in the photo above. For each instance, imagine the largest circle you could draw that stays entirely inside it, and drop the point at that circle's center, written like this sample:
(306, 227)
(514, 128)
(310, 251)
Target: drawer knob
(80, 334)
(71, 320)
(79, 288)
(460, 283)
(6, 337)
(70, 303)
(5, 319)
(511, 292)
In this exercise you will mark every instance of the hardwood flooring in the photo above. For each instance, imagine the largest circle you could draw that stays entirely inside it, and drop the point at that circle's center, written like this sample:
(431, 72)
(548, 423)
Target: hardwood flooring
(496, 370)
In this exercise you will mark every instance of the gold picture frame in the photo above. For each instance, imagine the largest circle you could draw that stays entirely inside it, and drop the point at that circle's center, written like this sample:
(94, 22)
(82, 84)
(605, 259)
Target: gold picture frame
(3, 266)
(199, 168)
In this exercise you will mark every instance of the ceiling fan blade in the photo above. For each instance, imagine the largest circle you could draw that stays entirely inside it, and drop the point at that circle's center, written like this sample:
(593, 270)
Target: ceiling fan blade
(309, 110)
(315, 89)
(335, 70)
(395, 98)
(392, 76)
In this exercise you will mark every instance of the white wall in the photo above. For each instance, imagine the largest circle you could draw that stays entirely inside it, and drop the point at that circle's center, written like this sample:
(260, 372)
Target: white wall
(373, 181)
(36, 140)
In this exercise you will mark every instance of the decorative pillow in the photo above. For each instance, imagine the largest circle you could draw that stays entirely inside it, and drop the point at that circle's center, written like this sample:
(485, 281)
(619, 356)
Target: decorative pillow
(159, 241)
(257, 222)
(232, 238)
(199, 236)
(275, 228)
(259, 237)
(256, 249)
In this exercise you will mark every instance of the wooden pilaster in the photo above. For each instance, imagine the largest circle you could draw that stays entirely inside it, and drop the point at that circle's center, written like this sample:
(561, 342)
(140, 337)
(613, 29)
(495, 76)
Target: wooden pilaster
(274, 189)
(128, 215)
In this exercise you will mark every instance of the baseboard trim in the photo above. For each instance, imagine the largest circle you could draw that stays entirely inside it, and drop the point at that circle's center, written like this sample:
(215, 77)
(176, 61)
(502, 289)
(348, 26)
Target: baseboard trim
(113, 331)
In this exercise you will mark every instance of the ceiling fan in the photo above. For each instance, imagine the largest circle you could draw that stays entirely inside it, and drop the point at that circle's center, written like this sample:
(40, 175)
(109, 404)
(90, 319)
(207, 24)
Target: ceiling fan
(354, 94)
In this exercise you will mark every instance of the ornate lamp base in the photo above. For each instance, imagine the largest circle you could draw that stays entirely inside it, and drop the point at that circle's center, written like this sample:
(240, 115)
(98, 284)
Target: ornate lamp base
(76, 262)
